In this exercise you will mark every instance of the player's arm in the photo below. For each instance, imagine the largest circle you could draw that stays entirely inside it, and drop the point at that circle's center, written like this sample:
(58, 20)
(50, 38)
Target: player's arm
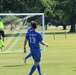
(43, 43)
(41, 40)
(25, 43)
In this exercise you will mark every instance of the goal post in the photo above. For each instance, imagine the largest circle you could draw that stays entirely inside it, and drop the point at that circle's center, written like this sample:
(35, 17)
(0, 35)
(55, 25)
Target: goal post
(16, 25)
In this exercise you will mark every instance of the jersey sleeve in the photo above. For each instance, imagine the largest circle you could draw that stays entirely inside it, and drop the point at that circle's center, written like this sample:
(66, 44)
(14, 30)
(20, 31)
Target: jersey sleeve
(26, 36)
(40, 37)
(30, 29)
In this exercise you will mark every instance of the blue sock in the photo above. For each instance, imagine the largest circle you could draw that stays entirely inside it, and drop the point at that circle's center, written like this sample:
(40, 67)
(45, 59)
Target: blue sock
(32, 69)
(29, 55)
(39, 69)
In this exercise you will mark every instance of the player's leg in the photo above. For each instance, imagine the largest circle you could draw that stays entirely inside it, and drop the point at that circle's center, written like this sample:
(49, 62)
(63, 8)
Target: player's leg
(36, 58)
(28, 56)
(38, 66)
(39, 69)
(3, 35)
(1, 42)
(33, 68)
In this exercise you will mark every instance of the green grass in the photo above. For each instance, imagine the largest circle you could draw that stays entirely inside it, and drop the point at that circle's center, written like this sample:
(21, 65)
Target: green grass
(58, 59)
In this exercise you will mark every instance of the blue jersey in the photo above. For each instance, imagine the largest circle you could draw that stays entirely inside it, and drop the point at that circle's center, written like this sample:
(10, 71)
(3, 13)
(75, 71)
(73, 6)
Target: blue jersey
(30, 29)
(34, 39)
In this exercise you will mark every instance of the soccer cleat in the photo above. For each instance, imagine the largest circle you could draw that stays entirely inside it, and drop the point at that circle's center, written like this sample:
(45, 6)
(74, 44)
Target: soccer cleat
(24, 60)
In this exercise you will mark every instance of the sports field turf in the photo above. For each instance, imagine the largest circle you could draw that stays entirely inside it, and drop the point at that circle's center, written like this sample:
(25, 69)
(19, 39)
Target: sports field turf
(58, 59)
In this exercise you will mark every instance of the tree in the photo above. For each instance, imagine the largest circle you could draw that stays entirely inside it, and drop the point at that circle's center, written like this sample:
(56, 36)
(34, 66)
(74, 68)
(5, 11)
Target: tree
(72, 13)
(49, 11)
(26, 6)
(68, 8)
(12, 6)
(57, 12)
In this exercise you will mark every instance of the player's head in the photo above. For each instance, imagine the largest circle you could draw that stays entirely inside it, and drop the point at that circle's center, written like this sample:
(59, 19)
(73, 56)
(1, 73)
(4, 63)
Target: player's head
(33, 24)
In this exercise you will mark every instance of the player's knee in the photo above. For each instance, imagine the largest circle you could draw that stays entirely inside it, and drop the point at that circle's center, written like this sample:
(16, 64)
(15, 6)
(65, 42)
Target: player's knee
(36, 63)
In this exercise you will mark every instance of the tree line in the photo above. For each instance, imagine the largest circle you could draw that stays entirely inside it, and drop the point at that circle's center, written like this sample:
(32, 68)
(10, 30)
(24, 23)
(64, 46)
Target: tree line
(57, 12)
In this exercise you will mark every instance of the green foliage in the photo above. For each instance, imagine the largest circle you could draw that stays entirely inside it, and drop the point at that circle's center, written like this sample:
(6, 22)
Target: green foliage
(69, 14)
(57, 12)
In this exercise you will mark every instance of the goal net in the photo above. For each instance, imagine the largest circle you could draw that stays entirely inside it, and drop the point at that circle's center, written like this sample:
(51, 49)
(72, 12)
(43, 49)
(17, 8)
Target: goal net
(16, 26)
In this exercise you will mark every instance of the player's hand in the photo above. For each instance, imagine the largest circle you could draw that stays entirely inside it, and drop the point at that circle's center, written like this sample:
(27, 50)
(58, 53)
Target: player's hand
(24, 50)
(46, 45)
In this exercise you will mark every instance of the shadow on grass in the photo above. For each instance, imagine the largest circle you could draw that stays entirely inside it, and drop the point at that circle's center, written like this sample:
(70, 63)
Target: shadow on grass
(14, 65)
(17, 65)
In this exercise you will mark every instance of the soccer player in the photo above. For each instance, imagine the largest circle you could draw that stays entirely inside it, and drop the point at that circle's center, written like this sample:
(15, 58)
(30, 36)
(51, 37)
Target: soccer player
(29, 55)
(34, 39)
(1, 29)
(1, 42)
(2, 35)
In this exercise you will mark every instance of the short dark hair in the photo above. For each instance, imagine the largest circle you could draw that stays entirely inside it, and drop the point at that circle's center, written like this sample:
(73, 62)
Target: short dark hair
(32, 22)
(34, 25)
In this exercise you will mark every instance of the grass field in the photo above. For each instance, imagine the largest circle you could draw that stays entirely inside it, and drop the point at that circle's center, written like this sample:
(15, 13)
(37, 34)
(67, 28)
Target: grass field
(58, 59)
